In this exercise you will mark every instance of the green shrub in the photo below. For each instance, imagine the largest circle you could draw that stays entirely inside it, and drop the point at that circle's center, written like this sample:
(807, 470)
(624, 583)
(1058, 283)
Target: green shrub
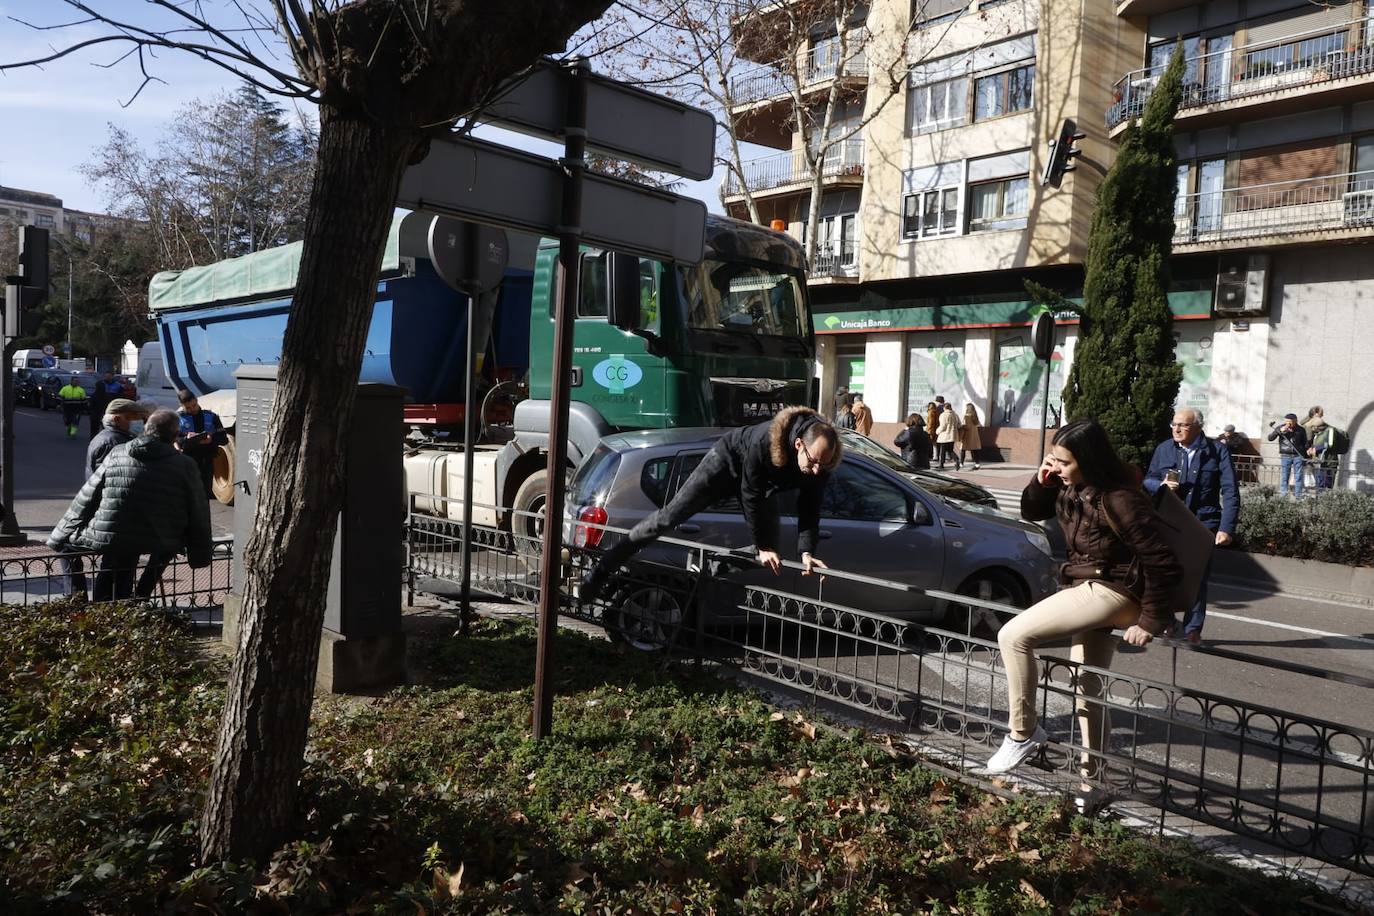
(1334, 526)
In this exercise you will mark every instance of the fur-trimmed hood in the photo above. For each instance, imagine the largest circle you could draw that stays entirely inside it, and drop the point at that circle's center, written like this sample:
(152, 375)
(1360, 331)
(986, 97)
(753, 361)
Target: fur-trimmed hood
(787, 426)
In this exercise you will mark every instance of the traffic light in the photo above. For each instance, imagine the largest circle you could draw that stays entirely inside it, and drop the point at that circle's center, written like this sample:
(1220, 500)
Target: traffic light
(1063, 151)
(29, 289)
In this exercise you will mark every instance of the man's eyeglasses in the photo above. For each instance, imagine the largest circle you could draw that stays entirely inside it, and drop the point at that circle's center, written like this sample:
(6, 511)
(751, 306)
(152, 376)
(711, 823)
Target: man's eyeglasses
(811, 463)
(1181, 425)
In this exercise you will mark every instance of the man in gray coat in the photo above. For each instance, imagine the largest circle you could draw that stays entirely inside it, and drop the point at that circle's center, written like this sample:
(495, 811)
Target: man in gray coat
(145, 498)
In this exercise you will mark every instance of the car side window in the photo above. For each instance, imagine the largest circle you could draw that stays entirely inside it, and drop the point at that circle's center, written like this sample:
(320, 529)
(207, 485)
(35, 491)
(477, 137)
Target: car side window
(686, 464)
(858, 493)
(654, 479)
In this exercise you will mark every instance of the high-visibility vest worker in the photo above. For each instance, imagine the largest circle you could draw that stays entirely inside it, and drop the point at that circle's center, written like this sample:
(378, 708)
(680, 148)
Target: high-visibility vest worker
(72, 396)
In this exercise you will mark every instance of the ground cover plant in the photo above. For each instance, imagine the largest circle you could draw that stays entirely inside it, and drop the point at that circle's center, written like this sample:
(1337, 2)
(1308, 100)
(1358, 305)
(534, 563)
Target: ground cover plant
(1334, 526)
(660, 791)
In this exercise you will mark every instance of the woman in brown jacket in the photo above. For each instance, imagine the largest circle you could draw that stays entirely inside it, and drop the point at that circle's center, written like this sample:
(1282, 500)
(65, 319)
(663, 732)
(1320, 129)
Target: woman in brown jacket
(969, 438)
(1118, 575)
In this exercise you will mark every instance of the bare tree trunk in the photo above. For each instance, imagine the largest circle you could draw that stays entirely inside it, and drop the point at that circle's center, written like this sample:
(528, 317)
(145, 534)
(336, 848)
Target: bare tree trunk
(251, 802)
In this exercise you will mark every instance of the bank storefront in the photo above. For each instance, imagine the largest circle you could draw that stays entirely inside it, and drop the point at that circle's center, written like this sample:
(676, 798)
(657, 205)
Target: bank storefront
(977, 350)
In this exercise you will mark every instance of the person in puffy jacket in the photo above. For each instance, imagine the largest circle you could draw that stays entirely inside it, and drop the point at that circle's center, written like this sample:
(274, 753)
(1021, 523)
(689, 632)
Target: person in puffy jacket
(914, 443)
(1118, 574)
(145, 498)
(1292, 439)
(796, 450)
(946, 434)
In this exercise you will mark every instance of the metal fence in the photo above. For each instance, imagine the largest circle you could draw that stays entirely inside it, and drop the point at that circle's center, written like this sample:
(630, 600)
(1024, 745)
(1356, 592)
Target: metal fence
(820, 64)
(1348, 474)
(1297, 782)
(1325, 202)
(842, 160)
(1301, 61)
(35, 576)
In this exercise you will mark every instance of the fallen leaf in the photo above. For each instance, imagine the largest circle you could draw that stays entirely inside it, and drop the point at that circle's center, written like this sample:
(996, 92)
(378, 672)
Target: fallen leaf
(1029, 855)
(1032, 893)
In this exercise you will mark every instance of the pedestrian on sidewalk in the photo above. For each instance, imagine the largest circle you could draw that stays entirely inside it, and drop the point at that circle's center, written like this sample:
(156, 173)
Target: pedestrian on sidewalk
(122, 421)
(73, 398)
(946, 434)
(914, 443)
(1324, 452)
(145, 498)
(863, 417)
(106, 390)
(932, 425)
(845, 418)
(1110, 580)
(970, 440)
(1202, 474)
(796, 450)
(1292, 440)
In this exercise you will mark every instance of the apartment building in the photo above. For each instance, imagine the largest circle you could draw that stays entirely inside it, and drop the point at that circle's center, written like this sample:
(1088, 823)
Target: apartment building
(1275, 138)
(932, 222)
(19, 207)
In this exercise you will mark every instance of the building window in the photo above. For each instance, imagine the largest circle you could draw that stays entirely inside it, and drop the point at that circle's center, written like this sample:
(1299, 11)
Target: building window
(936, 106)
(44, 221)
(933, 12)
(1001, 204)
(1004, 93)
(930, 213)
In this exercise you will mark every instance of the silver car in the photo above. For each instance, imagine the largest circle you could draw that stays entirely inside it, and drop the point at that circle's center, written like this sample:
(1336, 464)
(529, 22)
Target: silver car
(875, 520)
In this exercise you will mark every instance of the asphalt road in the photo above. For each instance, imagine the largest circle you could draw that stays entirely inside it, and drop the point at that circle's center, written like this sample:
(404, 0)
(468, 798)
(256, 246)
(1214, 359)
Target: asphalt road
(50, 468)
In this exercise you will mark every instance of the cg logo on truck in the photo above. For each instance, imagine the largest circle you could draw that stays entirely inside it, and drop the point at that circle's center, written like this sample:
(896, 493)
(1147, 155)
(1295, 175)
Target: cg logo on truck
(617, 373)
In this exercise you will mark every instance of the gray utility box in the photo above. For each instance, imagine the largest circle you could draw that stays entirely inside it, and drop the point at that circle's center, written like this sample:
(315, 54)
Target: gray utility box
(361, 645)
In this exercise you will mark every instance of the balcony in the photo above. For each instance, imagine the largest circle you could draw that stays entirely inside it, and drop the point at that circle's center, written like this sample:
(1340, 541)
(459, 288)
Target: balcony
(821, 65)
(835, 261)
(844, 164)
(1331, 206)
(1293, 66)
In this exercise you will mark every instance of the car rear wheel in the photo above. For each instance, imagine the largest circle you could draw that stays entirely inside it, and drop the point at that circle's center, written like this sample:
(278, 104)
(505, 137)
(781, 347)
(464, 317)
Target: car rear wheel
(994, 585)
(647, 616)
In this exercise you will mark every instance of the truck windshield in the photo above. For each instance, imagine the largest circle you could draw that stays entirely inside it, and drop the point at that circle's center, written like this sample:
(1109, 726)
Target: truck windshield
(735, 297)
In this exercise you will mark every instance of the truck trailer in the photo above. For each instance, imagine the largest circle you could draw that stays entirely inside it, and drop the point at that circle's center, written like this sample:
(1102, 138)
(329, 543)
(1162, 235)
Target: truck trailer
(656, 345)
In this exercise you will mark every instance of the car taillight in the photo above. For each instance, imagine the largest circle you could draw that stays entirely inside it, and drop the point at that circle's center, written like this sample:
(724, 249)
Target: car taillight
(587, 535)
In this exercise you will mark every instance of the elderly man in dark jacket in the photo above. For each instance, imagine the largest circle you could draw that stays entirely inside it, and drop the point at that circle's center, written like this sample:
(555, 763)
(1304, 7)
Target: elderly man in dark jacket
(1200, 471)
(796, 450)
(122, 422)
(145, 498)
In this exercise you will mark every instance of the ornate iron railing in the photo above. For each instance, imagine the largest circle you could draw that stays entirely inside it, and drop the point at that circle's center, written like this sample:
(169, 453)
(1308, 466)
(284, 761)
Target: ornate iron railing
(1298, 782)
(30, 576)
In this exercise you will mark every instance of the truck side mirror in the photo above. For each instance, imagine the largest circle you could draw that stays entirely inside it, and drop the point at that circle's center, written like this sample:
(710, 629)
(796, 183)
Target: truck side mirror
(625, 293)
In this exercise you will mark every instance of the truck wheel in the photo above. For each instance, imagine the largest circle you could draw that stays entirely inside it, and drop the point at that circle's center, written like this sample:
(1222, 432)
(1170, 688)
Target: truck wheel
(527, 521)
(222, 481)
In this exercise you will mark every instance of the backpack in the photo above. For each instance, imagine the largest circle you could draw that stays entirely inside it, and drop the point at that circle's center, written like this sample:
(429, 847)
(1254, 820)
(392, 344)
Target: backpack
(1338, 441)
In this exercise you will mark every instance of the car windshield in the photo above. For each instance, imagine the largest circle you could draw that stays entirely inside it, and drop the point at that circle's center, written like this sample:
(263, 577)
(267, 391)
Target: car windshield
(736, 297)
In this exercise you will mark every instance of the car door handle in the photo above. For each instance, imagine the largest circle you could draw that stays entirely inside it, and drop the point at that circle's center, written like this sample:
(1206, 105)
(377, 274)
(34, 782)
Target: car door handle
(688, 528)
(825, 534)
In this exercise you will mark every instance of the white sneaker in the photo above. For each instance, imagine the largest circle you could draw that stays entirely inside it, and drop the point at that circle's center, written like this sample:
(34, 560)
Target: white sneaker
(1013, 753)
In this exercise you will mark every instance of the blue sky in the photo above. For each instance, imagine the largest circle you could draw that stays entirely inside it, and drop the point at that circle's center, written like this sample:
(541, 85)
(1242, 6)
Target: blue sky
(56, 117)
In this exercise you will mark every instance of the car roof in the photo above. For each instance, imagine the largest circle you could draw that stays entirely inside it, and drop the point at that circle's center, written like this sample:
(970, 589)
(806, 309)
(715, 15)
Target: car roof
(657, 438)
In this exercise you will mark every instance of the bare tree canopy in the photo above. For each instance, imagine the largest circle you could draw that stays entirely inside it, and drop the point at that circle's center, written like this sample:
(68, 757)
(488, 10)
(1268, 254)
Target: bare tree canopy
(231, 176)
(387, 75)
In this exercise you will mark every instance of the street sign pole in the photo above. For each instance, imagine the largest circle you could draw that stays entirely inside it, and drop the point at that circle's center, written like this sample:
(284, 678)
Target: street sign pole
(10, 535)
(569, 244)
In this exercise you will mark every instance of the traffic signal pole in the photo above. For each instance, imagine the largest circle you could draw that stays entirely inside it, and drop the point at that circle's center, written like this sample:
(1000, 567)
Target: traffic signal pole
(10, 535)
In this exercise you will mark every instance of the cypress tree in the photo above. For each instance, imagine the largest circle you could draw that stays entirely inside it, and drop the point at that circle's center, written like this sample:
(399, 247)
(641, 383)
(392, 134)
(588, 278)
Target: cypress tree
(1124, 372)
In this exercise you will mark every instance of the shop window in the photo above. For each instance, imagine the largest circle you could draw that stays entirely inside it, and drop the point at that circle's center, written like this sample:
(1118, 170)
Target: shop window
(1019, 399)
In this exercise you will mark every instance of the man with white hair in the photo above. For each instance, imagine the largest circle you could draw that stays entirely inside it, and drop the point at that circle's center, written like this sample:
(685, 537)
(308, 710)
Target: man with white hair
(1202, 473)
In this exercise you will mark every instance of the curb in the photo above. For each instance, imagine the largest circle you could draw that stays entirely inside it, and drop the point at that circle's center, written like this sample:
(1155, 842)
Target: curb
(1352, 585)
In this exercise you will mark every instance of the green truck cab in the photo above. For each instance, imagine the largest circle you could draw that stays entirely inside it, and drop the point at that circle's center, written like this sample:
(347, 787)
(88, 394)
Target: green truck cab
(726, 342)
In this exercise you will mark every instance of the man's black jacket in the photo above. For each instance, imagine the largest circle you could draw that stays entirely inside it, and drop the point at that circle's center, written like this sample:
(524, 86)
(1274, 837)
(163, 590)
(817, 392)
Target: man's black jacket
(762, 458)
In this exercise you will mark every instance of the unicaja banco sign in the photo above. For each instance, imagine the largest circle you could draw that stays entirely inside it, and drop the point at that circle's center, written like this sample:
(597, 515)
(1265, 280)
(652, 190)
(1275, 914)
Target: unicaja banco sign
(616, 373)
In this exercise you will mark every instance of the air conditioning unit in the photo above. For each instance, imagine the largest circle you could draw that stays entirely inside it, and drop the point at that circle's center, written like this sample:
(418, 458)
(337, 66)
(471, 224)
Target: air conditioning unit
(1242, 285)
